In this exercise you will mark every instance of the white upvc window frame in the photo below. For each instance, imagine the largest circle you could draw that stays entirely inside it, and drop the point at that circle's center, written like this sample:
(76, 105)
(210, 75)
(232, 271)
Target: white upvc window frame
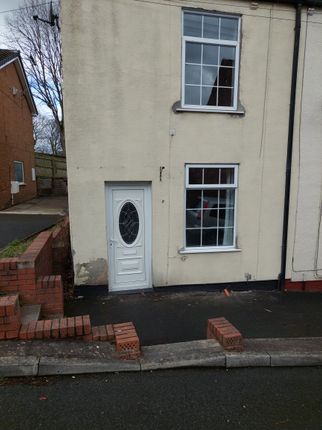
(218, 248)
(23, 171)
(221, 42)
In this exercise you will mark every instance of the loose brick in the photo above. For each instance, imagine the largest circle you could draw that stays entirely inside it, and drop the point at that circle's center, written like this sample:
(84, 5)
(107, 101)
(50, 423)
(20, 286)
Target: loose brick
(23, 332)
(39, 331)
(110, 332)
(79, 325)
(47, 328)
(87, 324)
(31, 329)
(102, 332)
(96, 335)
(55, 328)
(71, 327)
(12, 334)
(63, 331)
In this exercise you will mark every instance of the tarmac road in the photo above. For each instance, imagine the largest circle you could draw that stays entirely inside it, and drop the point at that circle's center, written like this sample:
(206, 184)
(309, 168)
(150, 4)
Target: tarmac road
(202, 399)
(20, 226)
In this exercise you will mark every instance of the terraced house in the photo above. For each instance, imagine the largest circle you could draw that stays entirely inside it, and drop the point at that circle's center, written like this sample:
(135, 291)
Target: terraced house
(193, 133)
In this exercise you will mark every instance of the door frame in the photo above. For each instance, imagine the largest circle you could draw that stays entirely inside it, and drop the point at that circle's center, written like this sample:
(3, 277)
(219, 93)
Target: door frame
(147, 204)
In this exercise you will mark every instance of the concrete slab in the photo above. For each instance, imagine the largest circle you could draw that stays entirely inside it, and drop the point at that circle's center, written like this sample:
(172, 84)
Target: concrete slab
(47, 205)
(61, 366)
(247, 359)
(294, 358)
(18, 366)
(30, 313)
(201, 353)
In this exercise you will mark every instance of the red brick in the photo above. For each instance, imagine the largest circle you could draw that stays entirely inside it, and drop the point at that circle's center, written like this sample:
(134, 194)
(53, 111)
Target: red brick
(63, 331)
(2, 335)
(313, 286)
(23, 332)
(79, 325)
(31, 330)
(95, 332)
(110, 332)
(39, 332)
(55, 328)
(47, 328)
(88, 337)
(102, 332)
(71, 326)
(12, 334)
(293, 286)
(87, 324)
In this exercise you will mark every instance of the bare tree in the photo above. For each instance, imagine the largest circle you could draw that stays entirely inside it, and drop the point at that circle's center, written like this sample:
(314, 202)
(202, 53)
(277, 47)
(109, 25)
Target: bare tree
(40, 47)
(47, 135)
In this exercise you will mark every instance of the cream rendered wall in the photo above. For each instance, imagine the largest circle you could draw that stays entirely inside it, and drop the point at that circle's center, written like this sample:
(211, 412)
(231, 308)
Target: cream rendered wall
(305, 251)
(122, 74)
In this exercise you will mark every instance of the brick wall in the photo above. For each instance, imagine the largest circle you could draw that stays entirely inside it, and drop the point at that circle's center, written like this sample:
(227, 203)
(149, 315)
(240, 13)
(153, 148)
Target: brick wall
(16, 138)
(35, 274)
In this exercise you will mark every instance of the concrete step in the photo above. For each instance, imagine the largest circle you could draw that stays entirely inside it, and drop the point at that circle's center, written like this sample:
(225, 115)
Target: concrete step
(30, 313)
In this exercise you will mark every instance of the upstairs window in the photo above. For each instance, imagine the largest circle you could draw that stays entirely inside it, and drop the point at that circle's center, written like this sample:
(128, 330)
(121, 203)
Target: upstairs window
(210, 61)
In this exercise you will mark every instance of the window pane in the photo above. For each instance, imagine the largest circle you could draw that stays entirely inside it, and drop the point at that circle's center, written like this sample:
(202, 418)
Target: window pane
(212, 175)
(225, 237)
(193, 74)
(195, 175)
(209, 75)
(210, 218)
(227, 175)
(226, 217)
(209, 96)
(192, 95)
(210, 54)
(209, 237)
(193, 53)
(210, 198)
(211, 27)
(225, 97)
(229, 29)
(193, 237)
(18, 172)
(226, 198)
(226, 77)
(193, 219)
(227, 56)
(193, 199)
(192, 24)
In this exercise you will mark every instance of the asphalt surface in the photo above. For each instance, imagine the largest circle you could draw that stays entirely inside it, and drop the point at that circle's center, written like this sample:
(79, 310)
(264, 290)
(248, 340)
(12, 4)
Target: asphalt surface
(166, 318)
(257, 399)
(19, 226)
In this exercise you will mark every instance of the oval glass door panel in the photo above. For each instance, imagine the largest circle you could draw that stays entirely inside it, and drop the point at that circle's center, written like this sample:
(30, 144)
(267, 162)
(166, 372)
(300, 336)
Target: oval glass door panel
(129, 223)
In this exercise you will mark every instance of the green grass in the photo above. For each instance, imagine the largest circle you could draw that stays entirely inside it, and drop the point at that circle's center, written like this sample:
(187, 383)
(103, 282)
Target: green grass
(15, 248)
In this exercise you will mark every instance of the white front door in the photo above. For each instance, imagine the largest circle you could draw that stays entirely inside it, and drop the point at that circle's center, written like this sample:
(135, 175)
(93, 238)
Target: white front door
(129, 236)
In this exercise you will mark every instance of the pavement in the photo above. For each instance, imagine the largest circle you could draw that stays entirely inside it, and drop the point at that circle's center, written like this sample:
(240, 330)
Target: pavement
(29, 218)
(46, 205)
(279, 330)
(176, 317)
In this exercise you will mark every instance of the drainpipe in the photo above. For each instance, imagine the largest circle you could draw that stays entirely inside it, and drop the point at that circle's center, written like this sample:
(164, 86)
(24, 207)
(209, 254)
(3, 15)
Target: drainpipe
(297, 34)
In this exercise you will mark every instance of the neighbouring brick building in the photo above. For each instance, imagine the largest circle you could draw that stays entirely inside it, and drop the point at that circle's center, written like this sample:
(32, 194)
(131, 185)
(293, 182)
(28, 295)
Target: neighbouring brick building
(17, 107)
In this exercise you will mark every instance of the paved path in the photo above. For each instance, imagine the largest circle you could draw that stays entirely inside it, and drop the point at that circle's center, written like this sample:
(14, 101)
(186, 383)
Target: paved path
(164, 318)
(203, 399)
(20, 226)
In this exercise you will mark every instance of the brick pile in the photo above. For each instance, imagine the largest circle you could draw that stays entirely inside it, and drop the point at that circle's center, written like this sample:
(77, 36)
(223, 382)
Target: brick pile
(226, 334)
(10, 317)
(127, 342)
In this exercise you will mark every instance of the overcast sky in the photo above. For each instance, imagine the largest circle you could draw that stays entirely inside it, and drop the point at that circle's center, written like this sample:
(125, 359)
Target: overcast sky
(4, 6)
